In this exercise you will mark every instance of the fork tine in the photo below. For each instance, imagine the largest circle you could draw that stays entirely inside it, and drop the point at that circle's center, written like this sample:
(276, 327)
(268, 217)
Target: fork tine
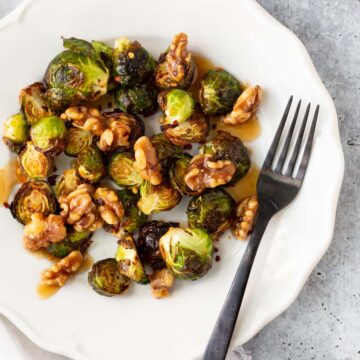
(295, 154)
(286, 145)
(271, 153)
(306, 156)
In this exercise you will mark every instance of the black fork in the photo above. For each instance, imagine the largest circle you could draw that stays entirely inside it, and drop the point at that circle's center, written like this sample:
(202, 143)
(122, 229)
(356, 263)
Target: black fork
(276, 188)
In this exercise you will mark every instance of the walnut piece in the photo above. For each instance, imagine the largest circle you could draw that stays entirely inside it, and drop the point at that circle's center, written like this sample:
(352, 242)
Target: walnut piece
(245, 106)
(245, 217)
(41, 231)
(85, 118)
(146, 161)
(109, 205)
(204, 172)
(161, 281)
(60, 272)
(79, 209)
(117, 134)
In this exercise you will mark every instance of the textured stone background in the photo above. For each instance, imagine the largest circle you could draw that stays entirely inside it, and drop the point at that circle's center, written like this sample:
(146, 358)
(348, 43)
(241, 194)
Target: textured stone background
(324, 322)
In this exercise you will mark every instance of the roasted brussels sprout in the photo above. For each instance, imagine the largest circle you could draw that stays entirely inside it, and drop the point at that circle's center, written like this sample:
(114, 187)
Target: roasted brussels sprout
(75, 74)
(178, 105)
(121, 169)
(214, 211)
(140, 99)
(187, 252)
(90, 164)
(16, 132)
(129, 263)
(195, 129)
(218, 93)
(67, 183)
(48, 135)
(33, 197)
(133, 65)
(34, 163)
(73, 241)
(33, 104)
(156, 198)
(224, 146)
(77, 140)
(148, 242)
(176, 65)
(106, 279)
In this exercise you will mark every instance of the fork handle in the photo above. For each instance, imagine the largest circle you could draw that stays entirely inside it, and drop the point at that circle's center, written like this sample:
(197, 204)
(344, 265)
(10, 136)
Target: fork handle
(219, 341)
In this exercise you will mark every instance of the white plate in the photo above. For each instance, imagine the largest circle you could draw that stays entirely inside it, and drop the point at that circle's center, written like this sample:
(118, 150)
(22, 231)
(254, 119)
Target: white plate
(239, 36)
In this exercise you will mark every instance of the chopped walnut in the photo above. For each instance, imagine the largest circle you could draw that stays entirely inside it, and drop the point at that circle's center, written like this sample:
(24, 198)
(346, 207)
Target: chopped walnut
(85, 118)
(161, 281)
(146, 161)
(109, 205)
(60, 272)
(41, 231)
(245, 217)
(204, 172)
(245, 106)
(79, 210)
(117, 134)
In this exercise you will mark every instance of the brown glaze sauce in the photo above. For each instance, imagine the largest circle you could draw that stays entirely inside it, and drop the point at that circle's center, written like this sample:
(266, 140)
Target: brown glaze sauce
(8, 179)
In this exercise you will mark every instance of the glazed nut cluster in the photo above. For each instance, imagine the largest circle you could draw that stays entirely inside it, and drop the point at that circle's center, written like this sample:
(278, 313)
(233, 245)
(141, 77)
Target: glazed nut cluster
(60, 272)
(116, 135)
(79, 209)
(204, 172)
(109, 206)
(245, 217)
(41, 231)
(161, 281)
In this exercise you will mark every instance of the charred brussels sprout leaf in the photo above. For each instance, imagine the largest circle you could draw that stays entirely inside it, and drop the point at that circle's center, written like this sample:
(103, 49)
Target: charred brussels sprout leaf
(187, 252)
(218, 93)
(213, 211)
(148, 242)
(106, 279)
(34, 163)
(48, 135)
(133, 65)
(104, 52)
(33, 104)
(90, 164)
(140, 99)
(129, 263)
(33, 197)
(121, 169)
(227, 147)
(156, 198)
(77, 140)
(16, 132)
(67, 183)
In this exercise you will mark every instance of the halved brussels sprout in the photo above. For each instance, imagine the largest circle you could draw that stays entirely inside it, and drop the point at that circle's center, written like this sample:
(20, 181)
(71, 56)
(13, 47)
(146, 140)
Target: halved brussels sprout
(90, 164)
(106, 279)
(31, 198)
(34, 163)
(129, 263)
(77, 140)
(75, 74)
(121, 169)
(187, 253)
(133, 65)
(48, 135)
(166, 151)
(33, 104)
(214, 211)
(138, 100)
(177, 173)
(73, 241)
(156, 198)
(67, 183)
(148, 242)
(195, 129)
(16, 132)
(218, 93)
(224, 146)
(178, 105)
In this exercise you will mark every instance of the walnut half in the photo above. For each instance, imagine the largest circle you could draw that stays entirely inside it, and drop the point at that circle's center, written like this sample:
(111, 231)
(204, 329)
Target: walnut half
(161, 281)
(204, 172)
(109, 205)
(245, 217)
(117, 134)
